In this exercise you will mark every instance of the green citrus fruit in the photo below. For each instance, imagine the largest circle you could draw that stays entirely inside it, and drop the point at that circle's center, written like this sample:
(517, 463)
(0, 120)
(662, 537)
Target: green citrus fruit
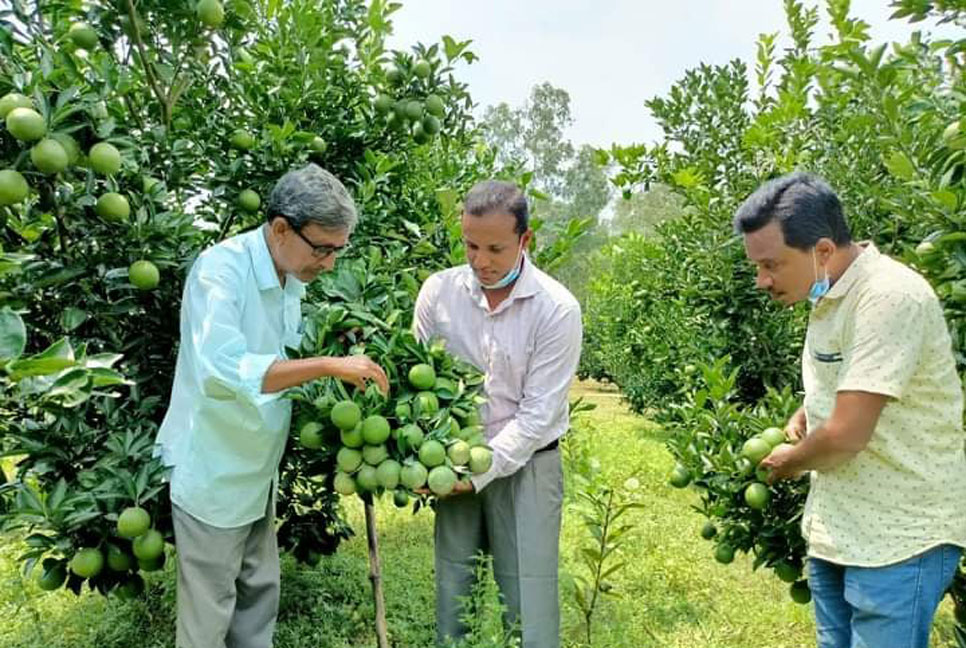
(345, 415)
(49, 156)
(422, 377)
(310, 436)
(395, 76)
(755, 449)
(152, 564)
(403, 411)
(413, 475)
(709, 530)
(26, 124)
(131, 588)
(374, 454)
(52, 576)
(422, 69)
(348, 459)
(757, 496)
(441, 480)
(375, 430)
(352, 438)
(427, 403)
(435, 106)
(414, 110)
(87, 563)
(413, 435)
(249, 201)
(773, 436)
(119, 560)
(149, 545)
(472, 419)
(210, 13)
(382, 104)
(144, 275)
(459, 453)
(432, 453)
(13, 187)
(680, 476)
(787, 572)
(366, 479)
(318, 145)
(132, 522)
(113, 207)
(399, 109)
(445, 388)
(70, 145)
(83, 35)
(431, 125)
(105, 159)
(724, 554)
(480, 459)
(242, 139)
(344, 484)
(13, 100)
(419, 134)
(800, 592)
(387, 474)
(400, 498)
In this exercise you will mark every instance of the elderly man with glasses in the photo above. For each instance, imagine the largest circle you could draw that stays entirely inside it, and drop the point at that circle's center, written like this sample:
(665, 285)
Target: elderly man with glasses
(226, 425)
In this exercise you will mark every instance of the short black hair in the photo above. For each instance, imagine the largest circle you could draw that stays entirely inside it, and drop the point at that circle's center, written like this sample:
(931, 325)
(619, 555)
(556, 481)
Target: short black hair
(498, 196)
(805, 207)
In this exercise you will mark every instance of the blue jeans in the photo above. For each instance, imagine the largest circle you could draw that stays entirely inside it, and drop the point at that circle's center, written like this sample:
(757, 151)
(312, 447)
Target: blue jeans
(880, 607)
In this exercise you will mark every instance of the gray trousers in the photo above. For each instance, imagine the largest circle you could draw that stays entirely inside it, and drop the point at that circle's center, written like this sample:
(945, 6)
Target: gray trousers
(228, 582)
(517, 521)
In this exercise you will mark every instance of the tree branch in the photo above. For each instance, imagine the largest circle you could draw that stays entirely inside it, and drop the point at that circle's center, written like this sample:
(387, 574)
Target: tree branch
(148, 69)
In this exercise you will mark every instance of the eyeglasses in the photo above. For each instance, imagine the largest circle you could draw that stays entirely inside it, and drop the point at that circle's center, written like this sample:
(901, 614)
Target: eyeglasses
(318, 251)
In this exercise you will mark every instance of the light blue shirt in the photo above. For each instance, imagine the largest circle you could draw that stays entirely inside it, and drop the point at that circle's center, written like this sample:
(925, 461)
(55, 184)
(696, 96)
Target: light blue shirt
(222, 435)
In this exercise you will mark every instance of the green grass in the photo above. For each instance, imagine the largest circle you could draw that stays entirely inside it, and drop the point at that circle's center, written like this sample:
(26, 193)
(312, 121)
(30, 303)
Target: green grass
(673, 594)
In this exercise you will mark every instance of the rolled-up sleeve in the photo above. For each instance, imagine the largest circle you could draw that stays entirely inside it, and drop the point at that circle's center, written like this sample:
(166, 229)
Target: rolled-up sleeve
(227, 370)
(545, 395)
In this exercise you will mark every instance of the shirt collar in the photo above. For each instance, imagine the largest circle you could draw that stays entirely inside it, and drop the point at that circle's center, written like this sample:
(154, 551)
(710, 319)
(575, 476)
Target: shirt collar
(856, 270)
(266, 277)
(526, 285)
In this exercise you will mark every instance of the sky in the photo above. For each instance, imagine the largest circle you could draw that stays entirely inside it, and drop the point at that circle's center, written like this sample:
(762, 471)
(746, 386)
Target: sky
(610, 55)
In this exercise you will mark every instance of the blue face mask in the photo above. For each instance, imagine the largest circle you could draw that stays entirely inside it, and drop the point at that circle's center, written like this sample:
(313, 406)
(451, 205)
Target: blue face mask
(820, 287)
(509, 277)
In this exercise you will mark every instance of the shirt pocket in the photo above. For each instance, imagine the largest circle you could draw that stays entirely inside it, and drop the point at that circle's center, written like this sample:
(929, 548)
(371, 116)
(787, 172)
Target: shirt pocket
(510, 371)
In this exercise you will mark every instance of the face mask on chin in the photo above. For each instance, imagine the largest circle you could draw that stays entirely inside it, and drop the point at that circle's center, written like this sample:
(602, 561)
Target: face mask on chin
(510, 277)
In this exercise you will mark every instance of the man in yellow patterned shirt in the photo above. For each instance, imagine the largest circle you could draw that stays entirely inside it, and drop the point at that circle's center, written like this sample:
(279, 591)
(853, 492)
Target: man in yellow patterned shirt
(881, 428)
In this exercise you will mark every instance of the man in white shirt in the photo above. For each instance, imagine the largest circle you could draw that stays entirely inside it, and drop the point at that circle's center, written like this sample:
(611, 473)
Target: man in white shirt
(226, 425)
(523, 329)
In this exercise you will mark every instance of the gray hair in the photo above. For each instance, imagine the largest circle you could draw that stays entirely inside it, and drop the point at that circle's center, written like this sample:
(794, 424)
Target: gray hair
(804, 206)
(497, 196)
(312, 194)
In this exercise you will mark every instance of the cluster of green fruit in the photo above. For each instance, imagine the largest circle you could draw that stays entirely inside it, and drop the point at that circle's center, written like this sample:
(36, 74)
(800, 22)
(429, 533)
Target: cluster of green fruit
(55, 153)
(422, 116)
(248, 199)
(428, 450)
(137, 547)
(756, 496)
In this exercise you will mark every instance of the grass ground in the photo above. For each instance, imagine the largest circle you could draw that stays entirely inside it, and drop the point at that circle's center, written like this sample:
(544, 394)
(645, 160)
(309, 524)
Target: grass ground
(673, 594)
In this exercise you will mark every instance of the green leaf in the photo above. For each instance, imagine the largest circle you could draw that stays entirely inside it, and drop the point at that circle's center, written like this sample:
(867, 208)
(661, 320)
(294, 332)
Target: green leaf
(900, 166)
(13, 335)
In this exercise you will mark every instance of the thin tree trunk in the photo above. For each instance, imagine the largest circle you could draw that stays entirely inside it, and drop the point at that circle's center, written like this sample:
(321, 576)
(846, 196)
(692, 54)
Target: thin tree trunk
(375, 573)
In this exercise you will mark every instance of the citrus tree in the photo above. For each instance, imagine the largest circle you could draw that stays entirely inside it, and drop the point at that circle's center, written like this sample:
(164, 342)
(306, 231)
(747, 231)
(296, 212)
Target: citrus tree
(884, 126)
(135, 134)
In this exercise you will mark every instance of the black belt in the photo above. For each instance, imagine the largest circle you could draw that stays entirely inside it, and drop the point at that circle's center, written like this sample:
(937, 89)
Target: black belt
(550, 446)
